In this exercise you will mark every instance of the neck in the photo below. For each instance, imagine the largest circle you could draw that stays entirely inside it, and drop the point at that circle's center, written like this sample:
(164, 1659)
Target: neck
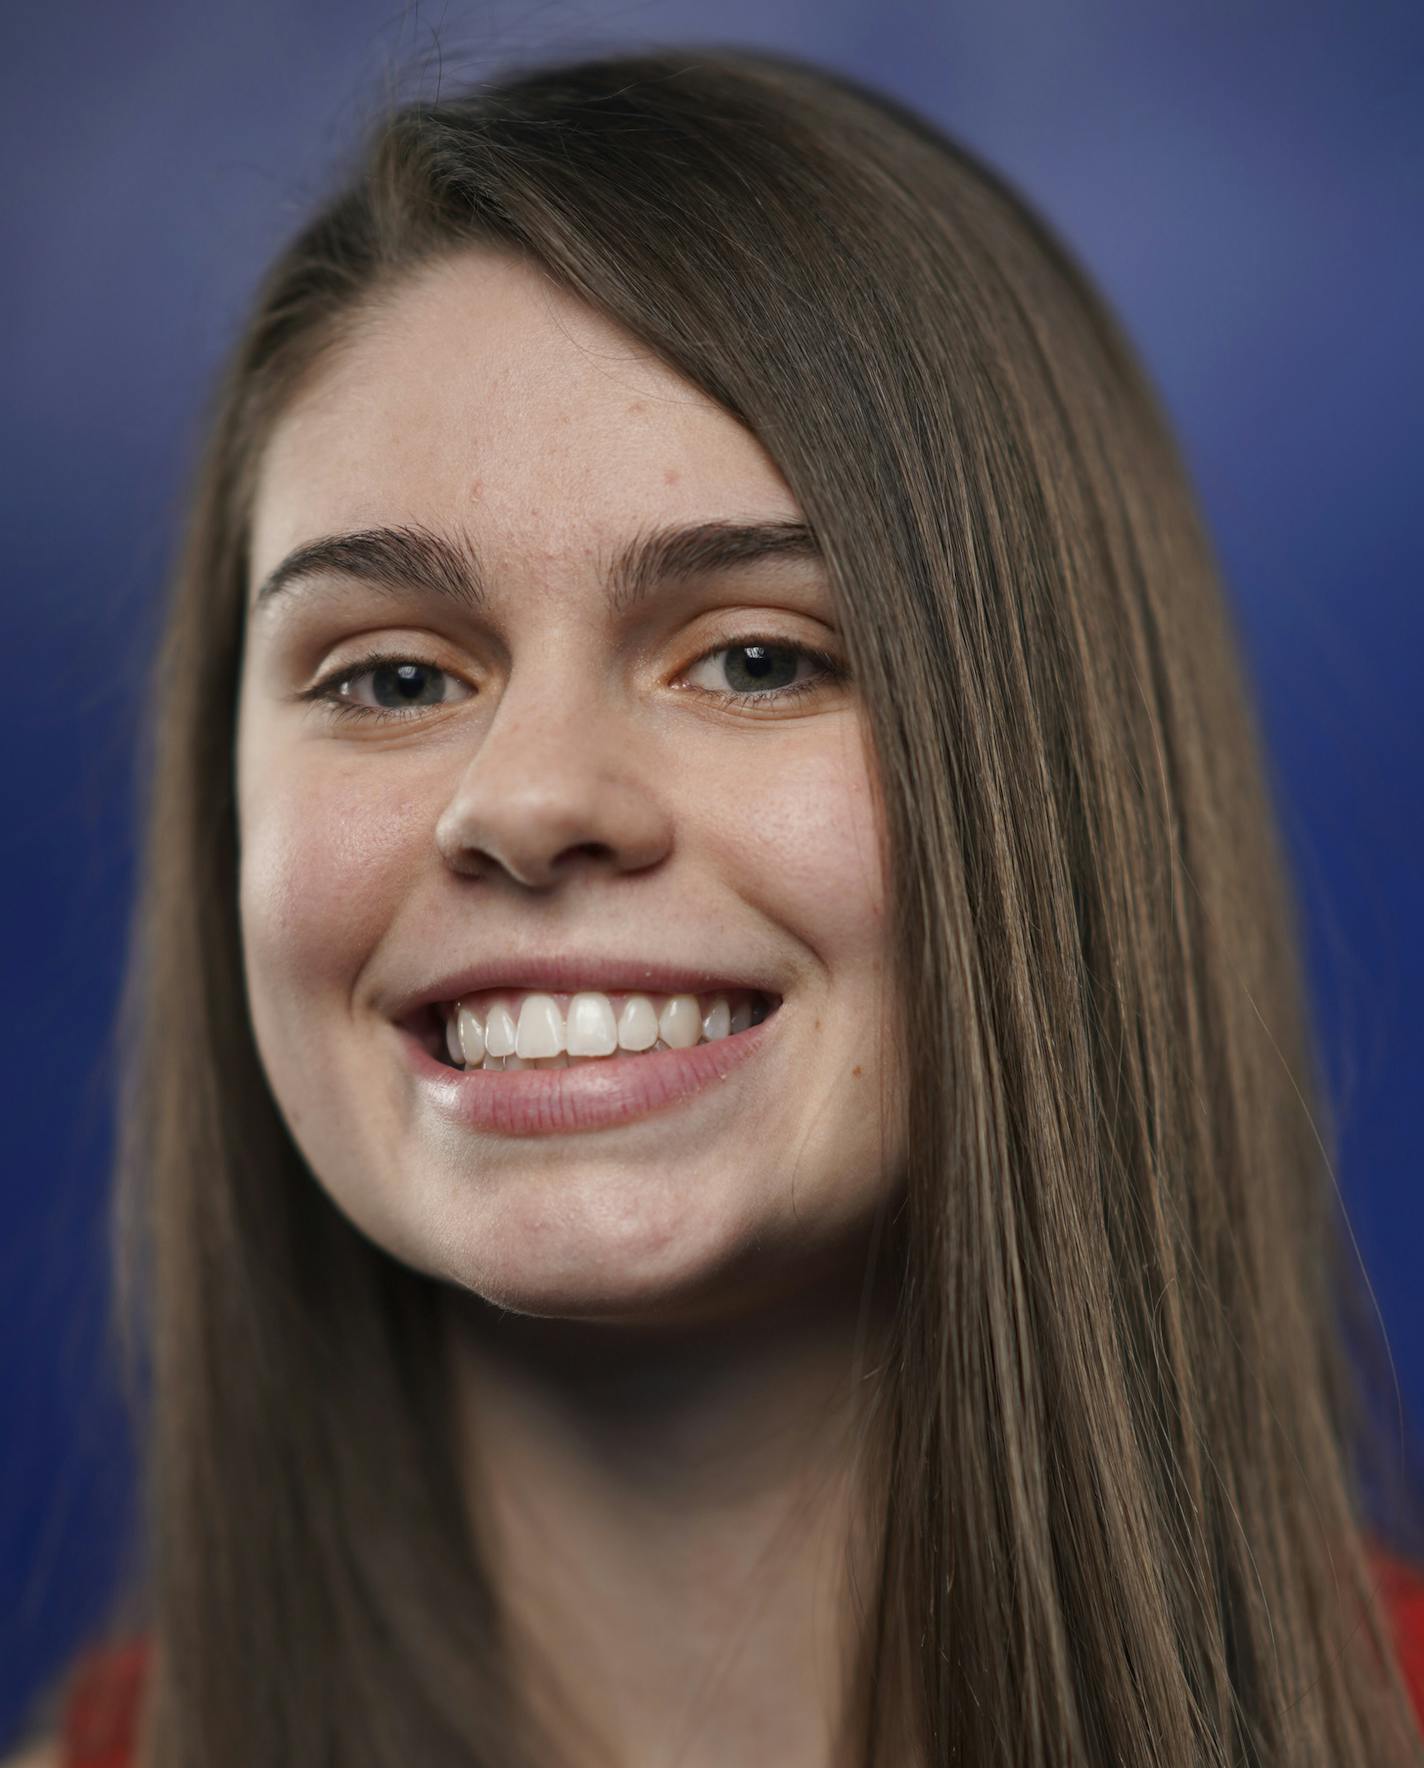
(673, 1517)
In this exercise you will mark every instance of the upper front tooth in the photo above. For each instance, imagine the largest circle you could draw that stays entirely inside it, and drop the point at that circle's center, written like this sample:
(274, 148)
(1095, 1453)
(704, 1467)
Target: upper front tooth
(680, 1022)
(541, 1027)
(591, 1031)
(499, 1030)
(638, 1024)
(533, 1027)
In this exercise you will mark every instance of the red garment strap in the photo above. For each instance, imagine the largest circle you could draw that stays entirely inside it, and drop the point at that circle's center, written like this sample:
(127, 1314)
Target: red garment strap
(101, 1713)
(1402, 1588)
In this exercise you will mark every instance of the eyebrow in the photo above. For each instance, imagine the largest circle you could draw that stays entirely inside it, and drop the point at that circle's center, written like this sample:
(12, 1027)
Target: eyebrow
(407, 559)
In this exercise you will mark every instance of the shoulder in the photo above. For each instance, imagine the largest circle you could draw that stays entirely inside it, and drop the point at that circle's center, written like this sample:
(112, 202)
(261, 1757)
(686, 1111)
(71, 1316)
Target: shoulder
(1402, 1591)
(91, 1718)
(1401, 1584)
(45, 1754)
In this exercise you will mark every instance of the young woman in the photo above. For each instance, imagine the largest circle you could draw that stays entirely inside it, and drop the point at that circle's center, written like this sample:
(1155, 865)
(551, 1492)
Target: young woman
(722, 1158)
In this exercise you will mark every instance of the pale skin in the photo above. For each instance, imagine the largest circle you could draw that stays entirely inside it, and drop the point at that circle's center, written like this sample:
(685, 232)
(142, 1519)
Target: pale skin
(655, 1323)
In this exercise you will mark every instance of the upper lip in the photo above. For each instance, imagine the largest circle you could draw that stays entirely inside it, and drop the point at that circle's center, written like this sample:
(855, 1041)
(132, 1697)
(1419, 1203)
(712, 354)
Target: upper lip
(567, 972)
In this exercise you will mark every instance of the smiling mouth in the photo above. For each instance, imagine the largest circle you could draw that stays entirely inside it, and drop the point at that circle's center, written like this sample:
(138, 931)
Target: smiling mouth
(431, 1028)
(567, 1095)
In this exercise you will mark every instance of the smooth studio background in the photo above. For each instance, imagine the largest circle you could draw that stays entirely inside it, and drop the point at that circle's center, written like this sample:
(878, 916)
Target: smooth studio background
(1244, 182)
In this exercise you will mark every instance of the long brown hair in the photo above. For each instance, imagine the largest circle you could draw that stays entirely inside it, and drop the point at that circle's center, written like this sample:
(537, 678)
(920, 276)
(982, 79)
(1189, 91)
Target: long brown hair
(1126, 1426)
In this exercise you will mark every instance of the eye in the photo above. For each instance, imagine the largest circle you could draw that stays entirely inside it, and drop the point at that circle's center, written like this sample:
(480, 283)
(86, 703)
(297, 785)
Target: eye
(756, 664)
(405, 686)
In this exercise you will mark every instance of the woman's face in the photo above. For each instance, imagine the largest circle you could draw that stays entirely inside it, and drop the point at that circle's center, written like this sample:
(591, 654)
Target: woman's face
(543, 770)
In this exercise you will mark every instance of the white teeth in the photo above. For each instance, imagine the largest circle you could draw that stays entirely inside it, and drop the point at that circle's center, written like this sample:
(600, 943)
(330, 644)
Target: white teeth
(680, 1022)
(541, 1027)
(638, 1026)
(591, 1028)
(544, 1038)
(499, 1031)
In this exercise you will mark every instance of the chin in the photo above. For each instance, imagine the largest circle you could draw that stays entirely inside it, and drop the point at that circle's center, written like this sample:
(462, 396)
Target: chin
(616, 1269)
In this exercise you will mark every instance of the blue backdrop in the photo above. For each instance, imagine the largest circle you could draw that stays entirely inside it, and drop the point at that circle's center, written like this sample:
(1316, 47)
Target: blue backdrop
(1245, 184)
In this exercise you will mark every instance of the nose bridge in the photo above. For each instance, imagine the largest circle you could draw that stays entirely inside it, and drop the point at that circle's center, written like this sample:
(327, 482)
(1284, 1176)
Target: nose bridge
(555, 684)
(553, 778)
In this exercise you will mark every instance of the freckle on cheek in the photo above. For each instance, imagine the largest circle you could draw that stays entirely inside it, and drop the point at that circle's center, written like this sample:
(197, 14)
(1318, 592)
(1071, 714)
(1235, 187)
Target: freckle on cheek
(856, 1071)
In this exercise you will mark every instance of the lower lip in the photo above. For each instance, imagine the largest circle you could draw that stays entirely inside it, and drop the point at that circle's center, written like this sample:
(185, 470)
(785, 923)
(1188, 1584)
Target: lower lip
(590, 1096)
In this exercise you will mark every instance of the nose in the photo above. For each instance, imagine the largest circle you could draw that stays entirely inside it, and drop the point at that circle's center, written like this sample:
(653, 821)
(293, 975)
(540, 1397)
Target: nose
(557, 779)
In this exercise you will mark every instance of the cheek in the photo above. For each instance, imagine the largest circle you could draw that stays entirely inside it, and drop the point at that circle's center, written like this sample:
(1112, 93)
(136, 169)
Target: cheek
(810, 831)
(322, 864)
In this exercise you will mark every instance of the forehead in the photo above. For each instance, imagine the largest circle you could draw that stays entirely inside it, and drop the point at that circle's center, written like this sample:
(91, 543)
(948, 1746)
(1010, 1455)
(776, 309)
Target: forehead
(481, 394)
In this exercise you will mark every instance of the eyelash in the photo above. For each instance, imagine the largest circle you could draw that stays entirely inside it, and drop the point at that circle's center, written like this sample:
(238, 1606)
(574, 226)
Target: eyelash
(325, 692)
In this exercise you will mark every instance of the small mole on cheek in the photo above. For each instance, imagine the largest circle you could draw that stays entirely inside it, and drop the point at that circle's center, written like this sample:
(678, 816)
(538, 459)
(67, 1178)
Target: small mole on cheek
(856, 1071)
